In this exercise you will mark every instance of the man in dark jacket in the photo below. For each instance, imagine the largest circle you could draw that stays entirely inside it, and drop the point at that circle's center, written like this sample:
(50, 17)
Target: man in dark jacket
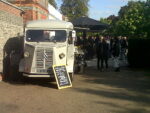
(102, 53)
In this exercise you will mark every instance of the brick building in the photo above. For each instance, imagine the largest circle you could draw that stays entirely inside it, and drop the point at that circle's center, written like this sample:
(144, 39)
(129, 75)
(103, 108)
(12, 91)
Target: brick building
(34, 9)
(11, 25)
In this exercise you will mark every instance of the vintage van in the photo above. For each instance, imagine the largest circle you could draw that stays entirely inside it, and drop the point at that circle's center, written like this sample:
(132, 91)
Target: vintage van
(47, 43)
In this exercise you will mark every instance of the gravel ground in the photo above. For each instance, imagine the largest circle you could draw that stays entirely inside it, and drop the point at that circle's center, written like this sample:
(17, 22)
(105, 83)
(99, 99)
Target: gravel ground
(127, 91)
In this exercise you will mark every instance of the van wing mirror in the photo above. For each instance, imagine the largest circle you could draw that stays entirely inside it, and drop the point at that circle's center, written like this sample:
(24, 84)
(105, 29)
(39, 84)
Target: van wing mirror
(73, 33)
(72, 36)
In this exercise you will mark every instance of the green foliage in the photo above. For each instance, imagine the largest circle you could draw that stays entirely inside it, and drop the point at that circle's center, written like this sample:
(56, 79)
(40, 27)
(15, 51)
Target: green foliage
(132, 21)
(105, 20)
(53, 3)
(74, 8)
(146, 21)
(138, 52)
(108, 20)
(131, 18)
(111, 20)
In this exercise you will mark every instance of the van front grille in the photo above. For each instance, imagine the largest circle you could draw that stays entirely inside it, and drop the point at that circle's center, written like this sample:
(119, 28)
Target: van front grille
(40, 58)
(44, 59)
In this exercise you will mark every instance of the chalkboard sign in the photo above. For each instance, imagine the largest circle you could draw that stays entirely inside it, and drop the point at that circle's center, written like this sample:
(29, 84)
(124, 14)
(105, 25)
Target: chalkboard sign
(62, 77)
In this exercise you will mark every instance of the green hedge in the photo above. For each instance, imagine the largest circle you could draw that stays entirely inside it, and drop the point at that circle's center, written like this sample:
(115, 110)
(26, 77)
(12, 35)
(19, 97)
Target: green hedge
(139, 52)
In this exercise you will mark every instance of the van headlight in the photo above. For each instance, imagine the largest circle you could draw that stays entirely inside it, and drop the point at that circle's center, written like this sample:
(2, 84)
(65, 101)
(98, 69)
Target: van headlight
(26, 54)
(61, 56)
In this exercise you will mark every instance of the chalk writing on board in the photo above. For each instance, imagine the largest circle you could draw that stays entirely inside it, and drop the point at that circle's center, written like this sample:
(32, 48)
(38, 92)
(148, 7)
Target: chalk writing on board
(62, 76)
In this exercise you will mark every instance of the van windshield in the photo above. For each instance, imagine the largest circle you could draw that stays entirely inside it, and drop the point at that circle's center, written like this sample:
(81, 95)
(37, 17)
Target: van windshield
(46, 35)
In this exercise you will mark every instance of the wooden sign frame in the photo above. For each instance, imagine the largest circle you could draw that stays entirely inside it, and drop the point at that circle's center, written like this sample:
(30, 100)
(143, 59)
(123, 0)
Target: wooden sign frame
(56, 77)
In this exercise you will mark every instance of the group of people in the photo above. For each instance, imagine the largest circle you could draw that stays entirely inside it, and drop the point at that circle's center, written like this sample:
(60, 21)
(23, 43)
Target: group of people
(104, 48)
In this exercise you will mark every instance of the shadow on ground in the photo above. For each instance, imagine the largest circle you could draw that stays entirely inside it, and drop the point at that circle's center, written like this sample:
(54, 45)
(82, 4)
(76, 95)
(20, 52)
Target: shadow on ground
(123, 109)
(127, 85)
(12, 54)
(126, 79)
(44, 82)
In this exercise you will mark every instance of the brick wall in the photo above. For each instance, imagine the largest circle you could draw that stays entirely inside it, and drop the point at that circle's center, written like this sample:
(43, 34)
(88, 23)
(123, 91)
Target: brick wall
(11, 24)
(9, 8)
(34, 9)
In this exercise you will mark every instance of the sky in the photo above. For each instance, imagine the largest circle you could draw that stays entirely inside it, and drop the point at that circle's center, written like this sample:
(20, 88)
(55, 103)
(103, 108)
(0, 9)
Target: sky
(103, 8)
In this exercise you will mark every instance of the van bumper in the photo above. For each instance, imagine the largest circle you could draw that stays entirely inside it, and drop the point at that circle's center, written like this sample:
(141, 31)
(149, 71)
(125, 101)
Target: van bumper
(37, 75)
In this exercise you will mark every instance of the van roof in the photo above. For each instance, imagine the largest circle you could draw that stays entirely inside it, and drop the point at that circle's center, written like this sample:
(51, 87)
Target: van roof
(52, 24)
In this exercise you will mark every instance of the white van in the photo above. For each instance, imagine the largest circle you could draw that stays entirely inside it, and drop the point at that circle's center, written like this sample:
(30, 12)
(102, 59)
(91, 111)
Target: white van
(47, 43)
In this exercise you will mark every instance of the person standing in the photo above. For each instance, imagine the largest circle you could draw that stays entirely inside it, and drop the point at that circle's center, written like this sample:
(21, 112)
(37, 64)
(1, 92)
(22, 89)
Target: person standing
(124, 45)
(102, 54)
(116, 52)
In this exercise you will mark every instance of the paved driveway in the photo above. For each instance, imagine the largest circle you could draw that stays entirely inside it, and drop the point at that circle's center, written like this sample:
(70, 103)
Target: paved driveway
(127, 91)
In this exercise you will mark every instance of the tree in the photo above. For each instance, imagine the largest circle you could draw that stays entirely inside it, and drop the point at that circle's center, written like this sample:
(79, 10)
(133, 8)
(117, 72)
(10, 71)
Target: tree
(133, 20)
(74, 8)
(147, 18)
(53, 3)
(111, 21)
(105, 20)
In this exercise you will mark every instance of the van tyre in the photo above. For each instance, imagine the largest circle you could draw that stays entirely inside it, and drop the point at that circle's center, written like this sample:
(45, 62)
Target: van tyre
(15, 75)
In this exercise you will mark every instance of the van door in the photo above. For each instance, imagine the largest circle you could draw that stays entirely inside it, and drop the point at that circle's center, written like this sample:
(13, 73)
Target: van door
(70, 53)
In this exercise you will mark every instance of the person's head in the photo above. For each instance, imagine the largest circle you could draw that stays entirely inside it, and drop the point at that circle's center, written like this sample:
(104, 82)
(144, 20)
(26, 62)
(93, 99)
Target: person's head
(119, 37)
(104, 39)
(116, 39)
(101, 38)
(125, 38)
(81, 37)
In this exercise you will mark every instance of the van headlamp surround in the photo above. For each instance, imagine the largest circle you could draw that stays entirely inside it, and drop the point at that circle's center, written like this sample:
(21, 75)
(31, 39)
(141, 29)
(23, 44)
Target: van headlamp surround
(26, 54)
(61, 56)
